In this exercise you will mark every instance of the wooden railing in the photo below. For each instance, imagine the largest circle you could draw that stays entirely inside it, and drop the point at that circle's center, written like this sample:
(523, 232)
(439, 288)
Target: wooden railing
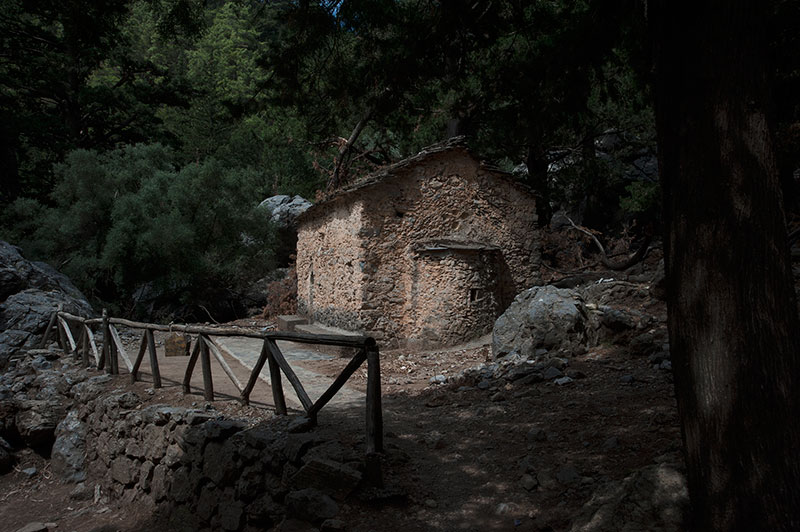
(205, 347)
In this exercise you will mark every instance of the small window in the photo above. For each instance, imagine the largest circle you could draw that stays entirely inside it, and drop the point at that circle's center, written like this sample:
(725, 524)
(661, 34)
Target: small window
(474, 294)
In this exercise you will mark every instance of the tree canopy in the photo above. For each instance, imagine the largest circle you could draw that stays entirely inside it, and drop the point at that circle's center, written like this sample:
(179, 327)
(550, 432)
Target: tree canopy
(300, 97)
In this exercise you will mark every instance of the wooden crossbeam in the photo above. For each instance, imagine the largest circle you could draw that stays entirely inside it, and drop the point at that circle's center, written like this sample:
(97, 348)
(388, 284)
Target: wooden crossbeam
(337, 384)
(120, 347)
(187, 378)
(290, 374)
(216, 350)
(68, 333)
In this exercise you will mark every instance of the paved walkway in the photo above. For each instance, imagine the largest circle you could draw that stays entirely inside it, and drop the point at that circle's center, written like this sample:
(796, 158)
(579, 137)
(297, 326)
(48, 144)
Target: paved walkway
(299, 356)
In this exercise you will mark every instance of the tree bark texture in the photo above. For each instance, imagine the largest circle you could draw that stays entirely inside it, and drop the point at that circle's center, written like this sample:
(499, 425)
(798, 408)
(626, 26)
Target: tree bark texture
(538, 164)
(733, 321)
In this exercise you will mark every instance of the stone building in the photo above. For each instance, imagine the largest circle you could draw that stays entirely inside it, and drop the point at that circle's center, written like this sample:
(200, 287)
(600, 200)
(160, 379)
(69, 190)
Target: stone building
(427, 251)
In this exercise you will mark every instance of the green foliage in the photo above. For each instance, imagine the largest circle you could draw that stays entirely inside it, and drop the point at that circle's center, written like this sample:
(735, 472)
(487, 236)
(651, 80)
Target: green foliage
(643, 198)
(129, 218)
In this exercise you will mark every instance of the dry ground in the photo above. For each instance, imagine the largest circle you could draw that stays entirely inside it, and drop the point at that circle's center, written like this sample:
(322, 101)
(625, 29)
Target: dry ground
(458, 453)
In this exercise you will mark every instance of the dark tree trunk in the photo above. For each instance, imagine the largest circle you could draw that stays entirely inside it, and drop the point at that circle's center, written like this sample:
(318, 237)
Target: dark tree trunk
(537, 179)
(733, 322)
(10, 187)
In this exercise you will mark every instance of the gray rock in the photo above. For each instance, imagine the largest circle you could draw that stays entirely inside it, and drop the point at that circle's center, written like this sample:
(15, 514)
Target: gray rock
(160, 484)
(617, 320)
(610, 443)
(285, 209)
(484, 385)
(231, 515)
(654, 498)
(81, 492)
(284, 215)
(332, 525)
(529, 482)
(310, 505)
(123, 470)
(295, 525)
(301, 424)
(29, 471)
(33, 527)
(327, 476)
(17, 274)
(29, 293)
(69, 449)
(520, 371)
(536, 434)
(146, 475)
(24, 317)
(627, 379)
(552, 373)
(542, 317)
(182, 488)
(567, 475)
(37, 421)
(6, 461)
(562, 381)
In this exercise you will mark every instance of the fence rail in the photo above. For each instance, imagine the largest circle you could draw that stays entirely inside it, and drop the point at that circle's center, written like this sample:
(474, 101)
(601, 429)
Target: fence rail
(205, 347)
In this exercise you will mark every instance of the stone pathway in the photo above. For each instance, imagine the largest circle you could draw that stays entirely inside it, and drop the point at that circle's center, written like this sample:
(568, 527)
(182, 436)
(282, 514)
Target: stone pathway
(299, 356)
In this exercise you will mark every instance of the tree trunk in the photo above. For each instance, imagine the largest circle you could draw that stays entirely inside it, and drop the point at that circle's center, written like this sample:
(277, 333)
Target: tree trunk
(537, 179)
(10, 186)
(733, 322)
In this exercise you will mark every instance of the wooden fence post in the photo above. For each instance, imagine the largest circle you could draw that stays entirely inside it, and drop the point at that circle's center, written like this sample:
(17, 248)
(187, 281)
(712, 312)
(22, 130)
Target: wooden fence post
(374, 410)
(151, 348)
(139, 357)
(105, 359)
(205, 361)
(275, 382)
(84, 346)
(187, 378)
(49, 330)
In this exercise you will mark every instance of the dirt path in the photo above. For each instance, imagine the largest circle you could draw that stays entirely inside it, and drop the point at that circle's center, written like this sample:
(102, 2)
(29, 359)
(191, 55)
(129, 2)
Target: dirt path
(504, 457)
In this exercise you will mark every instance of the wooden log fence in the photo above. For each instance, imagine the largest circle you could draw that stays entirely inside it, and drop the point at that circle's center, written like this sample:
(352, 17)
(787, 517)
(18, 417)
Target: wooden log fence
(205, 347)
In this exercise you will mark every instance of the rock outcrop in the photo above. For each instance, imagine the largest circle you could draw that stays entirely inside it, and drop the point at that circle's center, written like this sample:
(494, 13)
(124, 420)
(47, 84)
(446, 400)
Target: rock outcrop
(285, 209)
(29, 293)
(542, 319)
(284, 213)
(654, 498)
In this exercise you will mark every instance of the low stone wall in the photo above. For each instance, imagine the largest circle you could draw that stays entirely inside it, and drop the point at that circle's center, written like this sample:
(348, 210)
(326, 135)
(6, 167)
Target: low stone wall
(199, 472)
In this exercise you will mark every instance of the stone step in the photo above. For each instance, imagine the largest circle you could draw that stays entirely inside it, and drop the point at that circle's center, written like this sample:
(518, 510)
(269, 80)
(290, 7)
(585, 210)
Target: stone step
(289, 322)
(318, 328)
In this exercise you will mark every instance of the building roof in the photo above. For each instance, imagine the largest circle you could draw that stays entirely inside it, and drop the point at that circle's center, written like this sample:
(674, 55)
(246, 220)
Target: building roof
(385, 172)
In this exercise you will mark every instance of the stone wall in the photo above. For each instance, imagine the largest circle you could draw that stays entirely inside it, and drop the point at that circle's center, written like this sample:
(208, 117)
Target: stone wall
(454, 295)
(331, 267)
(196, 471)
(369, 238)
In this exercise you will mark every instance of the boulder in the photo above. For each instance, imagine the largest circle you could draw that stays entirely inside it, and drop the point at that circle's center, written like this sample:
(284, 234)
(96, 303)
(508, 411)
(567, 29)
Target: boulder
(284, 213)
(17, 274)
(69, 449)
(653, 498)
(285, 209)
(37, 421)
(29, 293)
(542, 317)
(310, 505)
(6, 460)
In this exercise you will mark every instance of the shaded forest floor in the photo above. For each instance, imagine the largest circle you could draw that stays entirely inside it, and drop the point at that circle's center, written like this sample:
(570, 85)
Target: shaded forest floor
(510, 456)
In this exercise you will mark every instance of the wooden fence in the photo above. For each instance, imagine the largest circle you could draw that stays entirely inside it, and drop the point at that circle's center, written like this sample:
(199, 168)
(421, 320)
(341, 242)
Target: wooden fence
(205, 347)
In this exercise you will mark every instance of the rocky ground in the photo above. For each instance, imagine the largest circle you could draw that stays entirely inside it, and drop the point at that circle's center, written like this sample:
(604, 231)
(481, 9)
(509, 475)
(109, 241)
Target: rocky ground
(572, 439)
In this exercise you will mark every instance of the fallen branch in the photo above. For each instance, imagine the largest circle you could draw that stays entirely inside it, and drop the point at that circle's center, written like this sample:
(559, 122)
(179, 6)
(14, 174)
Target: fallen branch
(616, 266)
